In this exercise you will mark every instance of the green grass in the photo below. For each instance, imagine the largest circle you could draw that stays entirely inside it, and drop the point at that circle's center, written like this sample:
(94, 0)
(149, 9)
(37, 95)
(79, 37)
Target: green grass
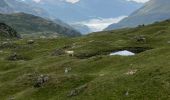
(105, 76)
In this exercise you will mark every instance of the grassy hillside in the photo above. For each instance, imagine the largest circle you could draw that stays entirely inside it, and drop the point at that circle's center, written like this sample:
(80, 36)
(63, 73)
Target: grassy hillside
(93, 74)
(30, 24)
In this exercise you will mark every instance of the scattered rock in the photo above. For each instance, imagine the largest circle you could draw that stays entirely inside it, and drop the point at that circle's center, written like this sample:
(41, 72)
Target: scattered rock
(16, 57)
(42, 79)
(127, 93)
(140, 39)
(131, 72)
(30, 41)
(58, 52)
(11, 98)
(4, 43)
(67, 70)
(67, 47)
(70, 53)
(77, 91)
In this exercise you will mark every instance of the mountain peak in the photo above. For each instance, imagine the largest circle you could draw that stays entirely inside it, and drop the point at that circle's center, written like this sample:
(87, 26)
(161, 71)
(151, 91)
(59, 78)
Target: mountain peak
(152, 11)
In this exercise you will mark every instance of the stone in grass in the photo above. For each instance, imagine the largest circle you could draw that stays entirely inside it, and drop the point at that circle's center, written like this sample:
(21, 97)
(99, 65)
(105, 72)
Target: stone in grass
(127, 93)
(131, 72)
(42, 79)
(77, 91)
(30, 41)
(14, 57)
(58, 52)
(140, 38)
(11, 98)
(67, 70)
(17, 57)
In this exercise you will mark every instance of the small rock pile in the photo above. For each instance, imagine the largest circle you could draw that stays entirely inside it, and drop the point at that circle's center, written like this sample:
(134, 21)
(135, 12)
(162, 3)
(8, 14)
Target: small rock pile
(15, 57)
(58, 52)
(77, 91)
(41, 80)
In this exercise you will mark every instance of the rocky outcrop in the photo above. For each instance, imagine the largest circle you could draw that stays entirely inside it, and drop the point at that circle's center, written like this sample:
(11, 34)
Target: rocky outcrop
(7, 32)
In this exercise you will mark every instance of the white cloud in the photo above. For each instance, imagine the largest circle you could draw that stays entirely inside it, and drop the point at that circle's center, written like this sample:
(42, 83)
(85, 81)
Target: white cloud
(139, 1)
(69, 1)
(72, 1)
(37, 0)
(100, 24)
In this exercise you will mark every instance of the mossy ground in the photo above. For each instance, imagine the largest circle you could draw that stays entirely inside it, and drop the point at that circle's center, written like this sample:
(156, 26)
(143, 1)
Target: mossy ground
(105, 76)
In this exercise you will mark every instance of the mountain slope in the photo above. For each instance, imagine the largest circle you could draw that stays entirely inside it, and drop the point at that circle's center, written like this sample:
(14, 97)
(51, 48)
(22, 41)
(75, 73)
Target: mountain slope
(82, 28)
(97, 76)
(152, 11)
(7, 32)
(30, 24)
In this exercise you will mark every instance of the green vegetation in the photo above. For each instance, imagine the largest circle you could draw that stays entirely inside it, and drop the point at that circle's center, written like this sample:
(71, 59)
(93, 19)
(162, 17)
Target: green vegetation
(36, 26)
(92, 74)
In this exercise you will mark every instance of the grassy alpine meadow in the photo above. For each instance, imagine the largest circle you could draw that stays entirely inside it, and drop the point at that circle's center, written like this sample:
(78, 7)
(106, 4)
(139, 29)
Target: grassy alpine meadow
(40, 69)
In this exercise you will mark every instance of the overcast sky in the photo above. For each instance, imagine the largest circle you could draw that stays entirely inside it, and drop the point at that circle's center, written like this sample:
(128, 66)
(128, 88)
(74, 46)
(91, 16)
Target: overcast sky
(75, 1)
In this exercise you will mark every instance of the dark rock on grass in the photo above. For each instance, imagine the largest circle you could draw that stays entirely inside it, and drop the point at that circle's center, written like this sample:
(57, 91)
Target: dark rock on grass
(30, 42)
(16, 57)
(140, 39)
(67, 47)
(58, 52)
(8, 45)
(41, 80)
(77, 91)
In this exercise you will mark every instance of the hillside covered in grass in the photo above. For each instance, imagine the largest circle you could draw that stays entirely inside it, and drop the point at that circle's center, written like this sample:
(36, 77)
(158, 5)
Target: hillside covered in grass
(36, 26)
(41, 70)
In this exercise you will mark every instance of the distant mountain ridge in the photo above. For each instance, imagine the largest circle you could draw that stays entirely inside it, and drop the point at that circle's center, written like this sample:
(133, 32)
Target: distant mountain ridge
(29, 24)
(152, 11)
(16, 6)
(86, 9)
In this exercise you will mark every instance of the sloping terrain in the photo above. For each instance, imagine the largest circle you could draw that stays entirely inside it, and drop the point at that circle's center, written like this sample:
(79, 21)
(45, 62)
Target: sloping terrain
(30, 24)
(7, 32)
(42, 71)
(152, 11)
